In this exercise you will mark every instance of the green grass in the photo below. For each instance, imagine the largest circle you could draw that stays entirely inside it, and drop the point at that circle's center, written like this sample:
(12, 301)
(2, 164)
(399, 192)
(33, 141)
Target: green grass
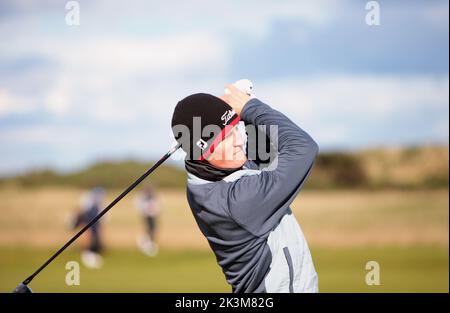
(123, 271)
(402, 269)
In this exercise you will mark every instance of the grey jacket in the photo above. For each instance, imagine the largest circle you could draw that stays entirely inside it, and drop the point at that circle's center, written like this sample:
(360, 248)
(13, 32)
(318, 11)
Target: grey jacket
(246, 216)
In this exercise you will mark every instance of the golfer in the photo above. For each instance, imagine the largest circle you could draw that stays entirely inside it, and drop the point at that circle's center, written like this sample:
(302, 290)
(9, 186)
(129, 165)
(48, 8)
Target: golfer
(242, 209)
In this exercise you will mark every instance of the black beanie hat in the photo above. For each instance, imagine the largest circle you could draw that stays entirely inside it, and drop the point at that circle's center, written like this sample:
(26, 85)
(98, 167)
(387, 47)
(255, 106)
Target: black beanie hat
(200, 122)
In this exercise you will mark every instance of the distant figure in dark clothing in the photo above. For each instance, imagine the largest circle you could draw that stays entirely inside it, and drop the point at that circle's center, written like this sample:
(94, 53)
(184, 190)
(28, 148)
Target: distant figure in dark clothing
(90, 205)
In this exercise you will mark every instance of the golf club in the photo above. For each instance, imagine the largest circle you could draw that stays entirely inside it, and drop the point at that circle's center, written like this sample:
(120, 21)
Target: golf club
(23, 286)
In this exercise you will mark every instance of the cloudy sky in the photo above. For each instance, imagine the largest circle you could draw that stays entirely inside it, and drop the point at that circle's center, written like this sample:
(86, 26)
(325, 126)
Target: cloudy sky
(106, 89)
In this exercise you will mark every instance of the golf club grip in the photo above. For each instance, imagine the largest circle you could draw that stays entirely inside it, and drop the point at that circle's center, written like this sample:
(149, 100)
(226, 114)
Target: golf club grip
(103, 212)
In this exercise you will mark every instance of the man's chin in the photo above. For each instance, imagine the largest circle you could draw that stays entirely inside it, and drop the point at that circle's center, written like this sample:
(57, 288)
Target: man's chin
(230, 165)
(235, 162)
(239, 163)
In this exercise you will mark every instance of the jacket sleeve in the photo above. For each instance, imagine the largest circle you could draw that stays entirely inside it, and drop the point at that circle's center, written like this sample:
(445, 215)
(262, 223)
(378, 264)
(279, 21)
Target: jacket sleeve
(258, 202)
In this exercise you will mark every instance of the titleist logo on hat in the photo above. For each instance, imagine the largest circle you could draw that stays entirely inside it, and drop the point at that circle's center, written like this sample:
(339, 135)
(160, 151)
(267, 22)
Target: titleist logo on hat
(227, 116)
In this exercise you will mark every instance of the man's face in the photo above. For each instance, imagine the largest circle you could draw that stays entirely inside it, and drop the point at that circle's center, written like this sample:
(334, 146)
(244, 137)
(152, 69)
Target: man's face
(230, 152)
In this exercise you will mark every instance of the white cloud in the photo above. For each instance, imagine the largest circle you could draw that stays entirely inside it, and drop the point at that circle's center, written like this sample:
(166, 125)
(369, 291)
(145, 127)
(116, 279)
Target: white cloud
(332, 106)
(29, 135)
(126, 66)
(368, 94)
(255, 18)
(222, 17)
(57, 98)
(14, 104)
(126, 54)
(96, 77)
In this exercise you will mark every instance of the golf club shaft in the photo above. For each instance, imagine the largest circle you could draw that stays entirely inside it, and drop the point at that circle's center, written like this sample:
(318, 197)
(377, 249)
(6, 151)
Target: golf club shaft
(103, 212)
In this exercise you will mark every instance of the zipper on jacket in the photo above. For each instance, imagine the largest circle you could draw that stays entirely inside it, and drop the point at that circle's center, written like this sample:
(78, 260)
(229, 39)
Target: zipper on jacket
(291, 269)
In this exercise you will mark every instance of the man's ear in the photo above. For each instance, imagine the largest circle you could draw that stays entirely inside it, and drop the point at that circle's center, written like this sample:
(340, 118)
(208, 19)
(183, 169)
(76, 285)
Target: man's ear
(260, 149)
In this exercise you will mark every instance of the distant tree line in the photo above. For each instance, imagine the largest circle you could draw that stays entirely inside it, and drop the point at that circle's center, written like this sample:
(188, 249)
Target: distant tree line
(407, 168)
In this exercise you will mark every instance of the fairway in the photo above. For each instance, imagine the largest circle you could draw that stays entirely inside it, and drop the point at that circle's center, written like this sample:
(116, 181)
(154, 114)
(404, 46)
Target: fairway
(406, 232)
(402, 269)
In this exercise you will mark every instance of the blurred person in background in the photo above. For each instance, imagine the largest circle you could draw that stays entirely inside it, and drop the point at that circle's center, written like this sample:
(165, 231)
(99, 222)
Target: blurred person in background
(149, 208)
(91, 203)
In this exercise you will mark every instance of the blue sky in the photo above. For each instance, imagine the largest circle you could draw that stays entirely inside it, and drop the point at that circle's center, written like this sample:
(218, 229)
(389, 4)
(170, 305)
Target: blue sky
(106, 89)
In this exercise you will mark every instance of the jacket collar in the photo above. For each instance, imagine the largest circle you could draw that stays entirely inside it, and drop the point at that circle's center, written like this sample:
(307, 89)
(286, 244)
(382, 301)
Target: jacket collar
(249, 168)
